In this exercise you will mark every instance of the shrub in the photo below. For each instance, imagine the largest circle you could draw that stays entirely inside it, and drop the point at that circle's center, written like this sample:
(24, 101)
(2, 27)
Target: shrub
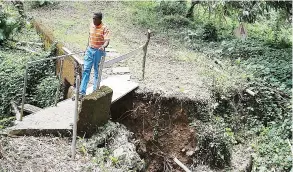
(175, 21)
(214, 143)
(210, 32)
(12, 69)
(42, 3)
(8, 24)
(273, 149)
(46, 92)
(172, 7)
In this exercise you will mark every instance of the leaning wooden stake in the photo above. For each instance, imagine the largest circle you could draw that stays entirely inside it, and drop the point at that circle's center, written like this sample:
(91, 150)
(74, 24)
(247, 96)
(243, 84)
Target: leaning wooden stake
(145, 51)
(73, 145)
(181, 165)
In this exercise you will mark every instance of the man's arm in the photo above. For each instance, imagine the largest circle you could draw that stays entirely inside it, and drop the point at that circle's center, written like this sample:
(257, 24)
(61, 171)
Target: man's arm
(106, 38)
(105, 45)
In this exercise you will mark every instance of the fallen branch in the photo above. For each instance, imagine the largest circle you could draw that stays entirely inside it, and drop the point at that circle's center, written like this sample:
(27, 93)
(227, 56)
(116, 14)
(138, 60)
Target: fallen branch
(181, 165)
(27, 50)
(30, 108)
(250, 92)
(29, 43)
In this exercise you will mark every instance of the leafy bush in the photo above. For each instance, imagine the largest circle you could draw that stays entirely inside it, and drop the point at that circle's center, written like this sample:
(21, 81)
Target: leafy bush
(175, 21)
(272, 152)
(144, 14)
(46, 92)
(214, 143)
(210, 32)
(6, 122)
(12, 68)
(172, 7)
(8, 24)
(42, 3)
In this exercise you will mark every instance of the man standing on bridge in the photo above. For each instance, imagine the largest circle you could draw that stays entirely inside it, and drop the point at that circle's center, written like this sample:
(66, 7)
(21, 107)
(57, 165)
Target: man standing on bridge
(98, 41)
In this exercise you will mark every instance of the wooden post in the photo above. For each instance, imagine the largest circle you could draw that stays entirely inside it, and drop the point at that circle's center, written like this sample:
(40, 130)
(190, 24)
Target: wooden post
(145, 51)
(73, 145)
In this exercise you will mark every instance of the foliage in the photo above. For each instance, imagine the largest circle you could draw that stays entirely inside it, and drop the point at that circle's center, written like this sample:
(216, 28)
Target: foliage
(11, 77)
(172, 7)
(210, 32)
(144, 14)
(272, 148)
(9, 23)
(46, 92)
(6, 122)
(214, 143)
(175, 21)
(12, 67)
(42, 3)
(112, 149)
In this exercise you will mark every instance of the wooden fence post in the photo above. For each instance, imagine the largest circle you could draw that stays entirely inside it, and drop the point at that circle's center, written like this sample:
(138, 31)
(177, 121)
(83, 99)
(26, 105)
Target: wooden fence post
(145, 51)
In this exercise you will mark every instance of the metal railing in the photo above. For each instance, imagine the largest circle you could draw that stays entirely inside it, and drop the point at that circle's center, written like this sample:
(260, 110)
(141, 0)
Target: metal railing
(75, 118)
(62, 57)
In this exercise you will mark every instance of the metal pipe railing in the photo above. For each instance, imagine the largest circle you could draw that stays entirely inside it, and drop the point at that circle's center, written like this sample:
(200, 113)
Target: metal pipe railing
(55, 58)
(75, 118)
(59, 81)
(37, 61)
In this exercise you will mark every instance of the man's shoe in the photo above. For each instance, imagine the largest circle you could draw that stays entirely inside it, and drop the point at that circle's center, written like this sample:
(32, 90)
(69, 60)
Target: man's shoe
(80, 97)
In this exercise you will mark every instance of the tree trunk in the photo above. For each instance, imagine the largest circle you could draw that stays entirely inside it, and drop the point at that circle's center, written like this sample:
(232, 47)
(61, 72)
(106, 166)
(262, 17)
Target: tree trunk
(190, 11)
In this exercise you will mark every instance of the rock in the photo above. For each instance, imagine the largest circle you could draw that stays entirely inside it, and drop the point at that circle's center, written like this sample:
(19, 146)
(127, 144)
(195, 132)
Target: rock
(121, 70)
(118, 152)
(113, 140)
(190, 153)
(94, 111)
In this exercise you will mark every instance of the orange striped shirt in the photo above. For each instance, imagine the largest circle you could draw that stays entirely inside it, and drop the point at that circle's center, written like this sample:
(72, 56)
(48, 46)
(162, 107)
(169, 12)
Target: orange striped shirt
(98, 35)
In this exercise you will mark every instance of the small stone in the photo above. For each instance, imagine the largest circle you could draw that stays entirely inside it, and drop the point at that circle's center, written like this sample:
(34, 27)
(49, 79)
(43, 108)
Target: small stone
(185, 91)
(118, 152)
(118, 70)
(183, 150)
(189, 153)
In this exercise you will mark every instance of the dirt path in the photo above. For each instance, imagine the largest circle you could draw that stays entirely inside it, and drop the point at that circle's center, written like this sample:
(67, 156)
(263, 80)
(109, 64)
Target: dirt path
(40, 154)
(164, 74)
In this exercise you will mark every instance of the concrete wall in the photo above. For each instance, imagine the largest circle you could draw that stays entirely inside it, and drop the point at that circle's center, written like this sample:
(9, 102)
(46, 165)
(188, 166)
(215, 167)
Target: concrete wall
(94, 111)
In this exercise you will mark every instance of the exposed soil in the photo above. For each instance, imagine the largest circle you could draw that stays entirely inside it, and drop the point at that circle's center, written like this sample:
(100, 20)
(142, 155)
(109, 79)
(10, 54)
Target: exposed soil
(161, 127)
